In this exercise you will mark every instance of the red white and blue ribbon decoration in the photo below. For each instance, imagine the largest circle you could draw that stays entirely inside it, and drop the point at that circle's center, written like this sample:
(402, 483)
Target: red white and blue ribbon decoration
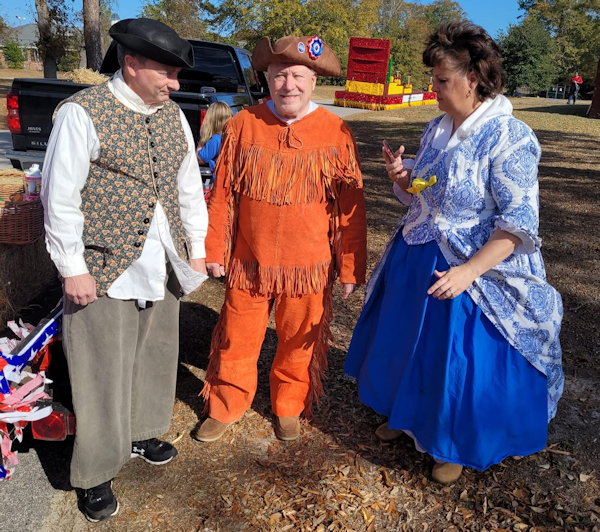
(23, 396)
(315, 48)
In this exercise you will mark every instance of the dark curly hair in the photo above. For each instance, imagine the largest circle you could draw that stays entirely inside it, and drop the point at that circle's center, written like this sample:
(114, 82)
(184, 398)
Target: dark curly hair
(467, 48)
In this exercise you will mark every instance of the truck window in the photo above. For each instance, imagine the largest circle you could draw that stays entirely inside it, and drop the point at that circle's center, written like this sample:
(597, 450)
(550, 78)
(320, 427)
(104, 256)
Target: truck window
(212, 67)
(256, 80)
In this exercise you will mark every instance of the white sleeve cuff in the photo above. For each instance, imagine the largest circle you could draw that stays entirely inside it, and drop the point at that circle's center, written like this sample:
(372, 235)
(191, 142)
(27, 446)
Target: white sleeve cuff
(529, 244)
(71, 266)
(198, 250)
(408, 164)
(404, 197)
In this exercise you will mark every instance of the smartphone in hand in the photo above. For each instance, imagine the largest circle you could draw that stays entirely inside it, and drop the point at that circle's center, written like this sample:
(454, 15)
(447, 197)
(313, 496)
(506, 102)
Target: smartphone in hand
(388, 150)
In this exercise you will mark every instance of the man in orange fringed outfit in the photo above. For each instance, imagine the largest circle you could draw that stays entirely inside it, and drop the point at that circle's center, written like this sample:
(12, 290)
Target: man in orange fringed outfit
(286, 217)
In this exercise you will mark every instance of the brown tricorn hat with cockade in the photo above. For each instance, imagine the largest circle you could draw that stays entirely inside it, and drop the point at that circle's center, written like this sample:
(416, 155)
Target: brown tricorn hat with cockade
(309, 51)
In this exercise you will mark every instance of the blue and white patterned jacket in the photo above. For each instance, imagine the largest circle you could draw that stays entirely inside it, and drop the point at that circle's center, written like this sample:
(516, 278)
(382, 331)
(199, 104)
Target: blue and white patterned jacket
(488, 181)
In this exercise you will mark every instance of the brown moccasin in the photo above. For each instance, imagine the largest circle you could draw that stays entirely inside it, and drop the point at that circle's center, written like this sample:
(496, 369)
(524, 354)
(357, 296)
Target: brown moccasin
(446, 473)
(287, 428)
(210, 430)
(385, 433)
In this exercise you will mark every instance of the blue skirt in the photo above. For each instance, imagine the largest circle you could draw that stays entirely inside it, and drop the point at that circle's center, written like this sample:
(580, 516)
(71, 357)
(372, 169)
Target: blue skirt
(441, 369)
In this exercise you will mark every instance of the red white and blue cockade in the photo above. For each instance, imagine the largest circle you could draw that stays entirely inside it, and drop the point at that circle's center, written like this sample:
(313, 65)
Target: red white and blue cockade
(315, 48)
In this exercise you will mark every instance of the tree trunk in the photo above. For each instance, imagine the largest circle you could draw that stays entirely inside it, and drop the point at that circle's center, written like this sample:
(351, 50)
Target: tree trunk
(92, 33)
(50, 68)
(595, 107)
(45, 30)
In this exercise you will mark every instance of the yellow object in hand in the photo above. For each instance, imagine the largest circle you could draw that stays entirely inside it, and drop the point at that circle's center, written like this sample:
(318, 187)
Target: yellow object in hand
(419, 184)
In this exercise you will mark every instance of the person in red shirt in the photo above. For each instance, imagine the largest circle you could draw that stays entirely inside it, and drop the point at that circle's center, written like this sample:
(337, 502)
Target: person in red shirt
(576, 82)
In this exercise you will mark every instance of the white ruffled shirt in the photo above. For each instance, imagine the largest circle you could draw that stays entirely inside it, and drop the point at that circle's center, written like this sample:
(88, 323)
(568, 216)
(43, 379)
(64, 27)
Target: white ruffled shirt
(73, 143)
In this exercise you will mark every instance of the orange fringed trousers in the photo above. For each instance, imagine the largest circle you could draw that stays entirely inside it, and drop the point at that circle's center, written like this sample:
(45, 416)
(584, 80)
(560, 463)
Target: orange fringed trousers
(302, 324)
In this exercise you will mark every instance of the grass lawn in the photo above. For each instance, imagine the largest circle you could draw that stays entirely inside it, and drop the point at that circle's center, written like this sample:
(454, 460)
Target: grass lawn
(10, 73)
(325, 92)
(337, 476)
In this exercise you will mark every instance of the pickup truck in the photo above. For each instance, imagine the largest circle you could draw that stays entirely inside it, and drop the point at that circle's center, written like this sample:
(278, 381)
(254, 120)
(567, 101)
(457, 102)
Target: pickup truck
(221, 73)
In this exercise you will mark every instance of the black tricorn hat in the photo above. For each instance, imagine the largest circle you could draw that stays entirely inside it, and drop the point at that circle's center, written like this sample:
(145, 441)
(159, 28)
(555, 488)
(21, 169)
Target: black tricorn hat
(154, 40)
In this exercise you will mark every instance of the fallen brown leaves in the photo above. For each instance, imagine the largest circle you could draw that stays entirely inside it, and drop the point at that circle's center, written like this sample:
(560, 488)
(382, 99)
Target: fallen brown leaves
(337, 476)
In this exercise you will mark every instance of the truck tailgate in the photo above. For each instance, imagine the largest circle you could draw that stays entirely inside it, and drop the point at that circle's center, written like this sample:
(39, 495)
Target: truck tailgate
(38, 99)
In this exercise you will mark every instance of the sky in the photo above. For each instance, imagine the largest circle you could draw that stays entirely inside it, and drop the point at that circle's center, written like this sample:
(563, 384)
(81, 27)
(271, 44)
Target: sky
(493, 15)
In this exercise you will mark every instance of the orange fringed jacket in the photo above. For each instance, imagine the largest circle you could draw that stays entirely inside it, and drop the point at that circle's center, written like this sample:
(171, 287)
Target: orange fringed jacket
(287, 211)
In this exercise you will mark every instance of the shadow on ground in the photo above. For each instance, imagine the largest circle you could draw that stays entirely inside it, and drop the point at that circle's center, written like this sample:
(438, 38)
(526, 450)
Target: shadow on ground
(561, 109)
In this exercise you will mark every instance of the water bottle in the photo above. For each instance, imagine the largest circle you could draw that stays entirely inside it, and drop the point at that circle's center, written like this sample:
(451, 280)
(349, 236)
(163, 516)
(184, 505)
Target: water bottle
(32, 177)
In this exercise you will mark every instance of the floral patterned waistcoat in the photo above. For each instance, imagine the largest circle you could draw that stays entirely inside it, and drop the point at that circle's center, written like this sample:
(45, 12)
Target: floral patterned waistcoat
(140, 156)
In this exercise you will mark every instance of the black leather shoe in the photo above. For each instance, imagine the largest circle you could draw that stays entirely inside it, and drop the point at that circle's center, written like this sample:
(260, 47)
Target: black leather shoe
(154, 451)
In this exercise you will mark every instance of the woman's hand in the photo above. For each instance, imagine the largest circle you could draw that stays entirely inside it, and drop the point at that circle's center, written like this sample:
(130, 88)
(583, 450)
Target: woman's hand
(452, 282)
(455, 281)
(395, 168)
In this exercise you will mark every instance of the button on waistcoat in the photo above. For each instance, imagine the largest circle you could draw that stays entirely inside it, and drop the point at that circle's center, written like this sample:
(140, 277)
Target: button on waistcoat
(140, 156)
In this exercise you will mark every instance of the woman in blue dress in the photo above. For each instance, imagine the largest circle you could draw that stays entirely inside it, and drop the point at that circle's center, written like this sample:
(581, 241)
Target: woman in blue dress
(458, 341)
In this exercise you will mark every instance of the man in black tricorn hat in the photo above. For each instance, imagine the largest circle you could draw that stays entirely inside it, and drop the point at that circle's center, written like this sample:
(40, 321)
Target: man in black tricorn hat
(125, 225)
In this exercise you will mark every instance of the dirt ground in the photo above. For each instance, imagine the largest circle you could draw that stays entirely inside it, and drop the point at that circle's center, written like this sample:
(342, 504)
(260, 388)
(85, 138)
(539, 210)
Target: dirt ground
(337, 476)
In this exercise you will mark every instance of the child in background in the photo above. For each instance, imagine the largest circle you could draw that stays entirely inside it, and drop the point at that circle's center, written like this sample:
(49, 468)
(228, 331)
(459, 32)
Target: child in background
(576, 81)
(210, 133)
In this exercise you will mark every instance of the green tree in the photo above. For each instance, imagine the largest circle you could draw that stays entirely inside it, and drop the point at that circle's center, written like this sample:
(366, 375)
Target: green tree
(575, 28)
(106, 11)
(407, 25)
(443, 11)
(5, 30)
(248, 20)
(186, 17)
(335, 21)
(13, 55)
(71, 59)
(528, 53)
(55, 26)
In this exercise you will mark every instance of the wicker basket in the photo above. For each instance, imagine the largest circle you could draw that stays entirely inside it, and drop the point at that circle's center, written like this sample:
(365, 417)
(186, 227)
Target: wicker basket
(21, 222)
(11, 182)
(12, 172)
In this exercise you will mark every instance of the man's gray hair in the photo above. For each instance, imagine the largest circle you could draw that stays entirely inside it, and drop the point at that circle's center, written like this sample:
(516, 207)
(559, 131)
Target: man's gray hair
(122, 51)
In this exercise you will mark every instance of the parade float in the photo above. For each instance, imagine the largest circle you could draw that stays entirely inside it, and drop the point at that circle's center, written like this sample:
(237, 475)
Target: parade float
(370, 83)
